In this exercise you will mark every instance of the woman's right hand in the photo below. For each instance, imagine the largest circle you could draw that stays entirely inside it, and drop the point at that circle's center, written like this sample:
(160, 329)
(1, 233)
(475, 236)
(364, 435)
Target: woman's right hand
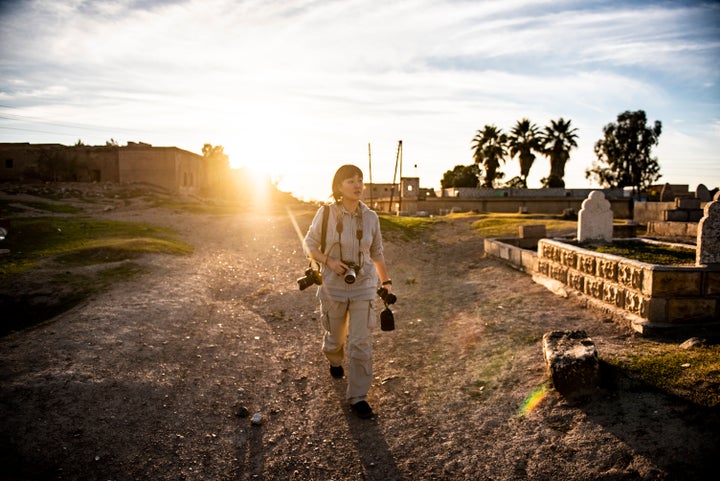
(336, 265)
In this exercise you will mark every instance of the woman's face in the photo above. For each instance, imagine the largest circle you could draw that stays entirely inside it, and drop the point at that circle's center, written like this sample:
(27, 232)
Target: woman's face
(352, 188)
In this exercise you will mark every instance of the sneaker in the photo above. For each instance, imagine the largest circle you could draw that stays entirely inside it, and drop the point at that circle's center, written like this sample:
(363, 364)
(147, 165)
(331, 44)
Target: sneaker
(362, 409)
(336, 371)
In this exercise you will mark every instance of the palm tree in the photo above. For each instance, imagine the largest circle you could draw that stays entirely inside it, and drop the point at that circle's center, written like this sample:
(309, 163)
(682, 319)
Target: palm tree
(489, 150)
(557, 141)
(523, 141)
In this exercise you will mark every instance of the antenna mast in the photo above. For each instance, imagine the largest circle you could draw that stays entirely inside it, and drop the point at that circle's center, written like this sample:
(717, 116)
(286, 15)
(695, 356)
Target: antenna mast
(398, 158)
(370, 173)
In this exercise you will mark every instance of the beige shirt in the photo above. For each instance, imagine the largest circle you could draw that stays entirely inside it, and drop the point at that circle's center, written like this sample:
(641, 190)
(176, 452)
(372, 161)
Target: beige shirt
(357, 240)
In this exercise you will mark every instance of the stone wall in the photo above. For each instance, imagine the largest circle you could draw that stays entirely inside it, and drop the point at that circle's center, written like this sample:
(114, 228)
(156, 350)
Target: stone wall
(655, 296)
(513, 205)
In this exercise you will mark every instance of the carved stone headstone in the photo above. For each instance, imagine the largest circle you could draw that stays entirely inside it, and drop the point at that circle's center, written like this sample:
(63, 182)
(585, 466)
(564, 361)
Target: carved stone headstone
(708, 235)
(595, 220)
(667, 194)
(702, 193)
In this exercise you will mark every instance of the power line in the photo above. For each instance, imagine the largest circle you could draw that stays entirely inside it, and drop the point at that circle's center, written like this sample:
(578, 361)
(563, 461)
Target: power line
(38, 131)
(55, 123)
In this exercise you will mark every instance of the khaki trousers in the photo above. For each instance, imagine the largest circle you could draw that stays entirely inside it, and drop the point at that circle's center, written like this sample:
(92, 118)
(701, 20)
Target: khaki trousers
(348, 324)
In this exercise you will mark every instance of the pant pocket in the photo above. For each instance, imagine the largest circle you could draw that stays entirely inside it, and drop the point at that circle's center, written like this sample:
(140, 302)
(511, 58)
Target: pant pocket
(325, 320)
(371, 316)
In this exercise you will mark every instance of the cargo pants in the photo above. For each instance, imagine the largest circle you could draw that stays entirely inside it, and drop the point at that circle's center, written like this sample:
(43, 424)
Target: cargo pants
(347, 327)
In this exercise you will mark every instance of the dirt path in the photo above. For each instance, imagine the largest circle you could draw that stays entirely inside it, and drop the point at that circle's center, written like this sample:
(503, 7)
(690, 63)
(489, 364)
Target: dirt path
(150, 380)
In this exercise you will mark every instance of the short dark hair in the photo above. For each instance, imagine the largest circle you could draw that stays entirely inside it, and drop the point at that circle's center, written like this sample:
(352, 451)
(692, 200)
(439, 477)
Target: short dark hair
(345, 172)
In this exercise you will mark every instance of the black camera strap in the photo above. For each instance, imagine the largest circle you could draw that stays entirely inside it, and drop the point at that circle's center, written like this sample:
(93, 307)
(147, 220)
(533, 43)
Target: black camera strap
(326, 215)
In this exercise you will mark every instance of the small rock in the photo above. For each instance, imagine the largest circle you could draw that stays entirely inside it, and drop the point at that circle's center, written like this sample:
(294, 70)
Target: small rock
(257, 419)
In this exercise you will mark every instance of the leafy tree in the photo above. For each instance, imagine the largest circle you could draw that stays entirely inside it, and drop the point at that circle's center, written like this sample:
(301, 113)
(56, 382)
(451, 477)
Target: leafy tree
(557, 140)
(523, 141)
(218, 169)
(216, 153)
(623, 153)
(461, 176)
(516, 182)
(489, 150)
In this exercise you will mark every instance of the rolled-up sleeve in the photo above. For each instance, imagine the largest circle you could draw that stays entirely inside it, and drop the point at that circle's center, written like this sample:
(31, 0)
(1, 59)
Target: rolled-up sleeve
(376, 248)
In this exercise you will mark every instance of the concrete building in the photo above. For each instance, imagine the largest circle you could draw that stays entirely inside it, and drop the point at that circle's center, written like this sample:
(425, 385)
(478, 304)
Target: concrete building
(172, 168)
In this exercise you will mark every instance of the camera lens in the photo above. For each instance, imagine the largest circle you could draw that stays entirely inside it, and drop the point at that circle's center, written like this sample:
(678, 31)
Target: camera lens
(311, 277)
(304, 283)
(351, 272)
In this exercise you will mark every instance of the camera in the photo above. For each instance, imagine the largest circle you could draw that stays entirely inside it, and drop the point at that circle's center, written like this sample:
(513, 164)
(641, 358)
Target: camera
(351, 272)
(311, 277)
(387, 319)
(388, 298)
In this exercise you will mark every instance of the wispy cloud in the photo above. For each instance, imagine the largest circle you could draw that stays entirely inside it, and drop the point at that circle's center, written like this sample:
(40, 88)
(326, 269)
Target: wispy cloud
(326, 77)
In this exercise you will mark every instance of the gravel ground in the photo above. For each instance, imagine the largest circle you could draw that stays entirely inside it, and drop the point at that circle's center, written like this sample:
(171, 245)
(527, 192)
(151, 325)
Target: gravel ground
(158, 378)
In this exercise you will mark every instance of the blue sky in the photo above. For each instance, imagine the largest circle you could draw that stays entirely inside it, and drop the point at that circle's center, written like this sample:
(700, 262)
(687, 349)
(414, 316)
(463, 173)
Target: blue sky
(296, 89)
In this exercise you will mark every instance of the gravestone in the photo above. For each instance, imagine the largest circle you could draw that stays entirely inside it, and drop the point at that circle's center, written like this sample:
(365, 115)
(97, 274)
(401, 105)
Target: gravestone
(667, 194)
(702, 193)
(595, 220)
(532, 231)
(708, 234)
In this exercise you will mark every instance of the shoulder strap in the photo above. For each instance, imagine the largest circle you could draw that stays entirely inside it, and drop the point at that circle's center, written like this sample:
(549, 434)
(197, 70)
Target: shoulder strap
(326, 214)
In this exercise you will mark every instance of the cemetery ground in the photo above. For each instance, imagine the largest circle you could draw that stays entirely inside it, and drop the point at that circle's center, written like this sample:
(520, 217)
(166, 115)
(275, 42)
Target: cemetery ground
(156, 372)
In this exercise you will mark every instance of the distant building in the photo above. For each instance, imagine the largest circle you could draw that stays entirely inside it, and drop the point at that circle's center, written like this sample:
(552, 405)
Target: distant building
(172, 168)
(401, 197)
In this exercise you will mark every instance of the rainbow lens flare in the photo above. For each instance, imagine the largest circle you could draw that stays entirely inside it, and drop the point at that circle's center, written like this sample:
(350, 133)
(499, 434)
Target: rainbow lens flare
(533, 400)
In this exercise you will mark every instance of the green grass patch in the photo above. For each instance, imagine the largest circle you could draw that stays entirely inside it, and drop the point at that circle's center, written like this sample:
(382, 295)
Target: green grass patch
(646, 252)
(506, 225)
(408, 227)
(14, 207)
(692, 374)
(55, 208)
(32, 240)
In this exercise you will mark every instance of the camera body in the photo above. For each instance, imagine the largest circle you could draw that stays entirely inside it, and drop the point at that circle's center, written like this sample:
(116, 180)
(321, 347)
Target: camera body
(311, 277)
(387, 297)
(387, 319)
(351, 272)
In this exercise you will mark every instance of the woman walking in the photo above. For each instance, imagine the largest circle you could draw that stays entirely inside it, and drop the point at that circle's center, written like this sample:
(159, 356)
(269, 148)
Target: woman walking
(352, 265)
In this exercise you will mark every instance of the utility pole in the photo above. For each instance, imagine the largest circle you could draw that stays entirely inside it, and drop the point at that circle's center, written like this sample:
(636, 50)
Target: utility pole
(398, 156)
(400, 183)
(370, 173)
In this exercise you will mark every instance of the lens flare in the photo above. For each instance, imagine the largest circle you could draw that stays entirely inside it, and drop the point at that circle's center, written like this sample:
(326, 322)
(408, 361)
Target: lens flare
(297, 231)
(533, 400)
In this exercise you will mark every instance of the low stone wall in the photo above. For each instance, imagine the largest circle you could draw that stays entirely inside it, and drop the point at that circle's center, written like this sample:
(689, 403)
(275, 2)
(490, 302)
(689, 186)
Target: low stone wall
(657, 296)
(519, 253)
(685, 231)
(652, 299)
(513, 205)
